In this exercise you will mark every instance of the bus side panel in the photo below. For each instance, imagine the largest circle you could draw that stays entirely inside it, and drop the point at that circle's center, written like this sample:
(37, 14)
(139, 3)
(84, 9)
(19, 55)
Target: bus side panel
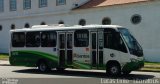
(31, 57)
(81, 58)
(114, 55)
(111, 55)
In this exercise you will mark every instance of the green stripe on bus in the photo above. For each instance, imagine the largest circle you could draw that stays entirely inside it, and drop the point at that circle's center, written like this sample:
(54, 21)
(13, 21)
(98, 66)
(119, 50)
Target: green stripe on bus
(37, 53)
(31, 57)
(81, 65)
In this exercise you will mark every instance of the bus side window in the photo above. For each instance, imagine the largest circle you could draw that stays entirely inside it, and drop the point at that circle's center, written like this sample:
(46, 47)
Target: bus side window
(48, 39)
(32, 39)
(81, 38)
(121, 45)
(109, 39)
(18, 39)
(112, 40)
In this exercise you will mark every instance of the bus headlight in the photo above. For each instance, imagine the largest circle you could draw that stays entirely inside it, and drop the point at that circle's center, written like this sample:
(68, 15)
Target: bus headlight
(133, 60)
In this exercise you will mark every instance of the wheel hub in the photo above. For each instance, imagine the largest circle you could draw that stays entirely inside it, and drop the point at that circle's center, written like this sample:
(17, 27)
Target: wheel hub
(114, 70)
(42, 67)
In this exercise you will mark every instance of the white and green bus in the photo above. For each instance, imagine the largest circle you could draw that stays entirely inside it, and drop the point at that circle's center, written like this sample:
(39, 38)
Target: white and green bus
(104, 47)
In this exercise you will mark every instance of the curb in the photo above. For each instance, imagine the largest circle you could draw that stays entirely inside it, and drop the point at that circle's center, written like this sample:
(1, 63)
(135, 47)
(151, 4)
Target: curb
(4, 63)
(148, 71)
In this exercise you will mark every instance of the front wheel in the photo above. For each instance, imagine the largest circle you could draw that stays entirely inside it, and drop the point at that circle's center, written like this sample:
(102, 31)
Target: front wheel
(113, 70)
(43, 67)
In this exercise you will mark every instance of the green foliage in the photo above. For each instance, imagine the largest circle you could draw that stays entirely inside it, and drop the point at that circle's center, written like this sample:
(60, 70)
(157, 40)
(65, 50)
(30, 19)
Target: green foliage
(151, 67)
(4, 56)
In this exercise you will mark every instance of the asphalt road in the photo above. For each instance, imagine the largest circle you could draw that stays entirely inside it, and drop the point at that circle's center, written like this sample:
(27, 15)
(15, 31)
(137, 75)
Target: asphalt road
(27, 72)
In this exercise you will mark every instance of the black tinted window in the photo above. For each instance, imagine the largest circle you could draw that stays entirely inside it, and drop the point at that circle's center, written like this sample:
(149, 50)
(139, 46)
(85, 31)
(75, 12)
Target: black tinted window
(48, 39)
(81, 38)
(109, 39)
(113, 40)
(18, 39)
(33, 39)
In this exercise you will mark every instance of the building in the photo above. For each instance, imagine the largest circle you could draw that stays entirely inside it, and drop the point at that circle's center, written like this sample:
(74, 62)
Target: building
(142, 17)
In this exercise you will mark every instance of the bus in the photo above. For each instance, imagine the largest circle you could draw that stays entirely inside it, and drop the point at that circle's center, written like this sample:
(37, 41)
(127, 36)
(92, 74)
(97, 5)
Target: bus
(101, 47)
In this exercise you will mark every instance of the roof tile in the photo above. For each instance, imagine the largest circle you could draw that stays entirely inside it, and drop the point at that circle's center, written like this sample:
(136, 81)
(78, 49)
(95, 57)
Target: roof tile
(101, 3)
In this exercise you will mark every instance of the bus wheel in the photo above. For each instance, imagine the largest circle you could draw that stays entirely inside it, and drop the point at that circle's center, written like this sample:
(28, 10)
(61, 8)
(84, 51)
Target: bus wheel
(113, 69)
(60, 69)
(43, 67)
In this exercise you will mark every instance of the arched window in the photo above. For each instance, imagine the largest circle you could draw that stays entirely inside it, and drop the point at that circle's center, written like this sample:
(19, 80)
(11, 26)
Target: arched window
(13, 26)
(82, 22)
(1, 27)
(106, 21)
(27, 25)
(60, 22)
(43, 23)
(136, 19)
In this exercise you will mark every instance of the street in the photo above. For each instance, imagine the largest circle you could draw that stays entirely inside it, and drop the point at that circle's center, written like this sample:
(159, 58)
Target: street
(7, 71)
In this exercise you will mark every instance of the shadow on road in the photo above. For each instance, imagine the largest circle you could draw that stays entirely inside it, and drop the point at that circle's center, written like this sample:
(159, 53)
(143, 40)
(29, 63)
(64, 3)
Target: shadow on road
(86, 74)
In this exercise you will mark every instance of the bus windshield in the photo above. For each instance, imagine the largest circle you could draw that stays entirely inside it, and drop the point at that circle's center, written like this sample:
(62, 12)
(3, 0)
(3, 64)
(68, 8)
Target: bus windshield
(133, 45)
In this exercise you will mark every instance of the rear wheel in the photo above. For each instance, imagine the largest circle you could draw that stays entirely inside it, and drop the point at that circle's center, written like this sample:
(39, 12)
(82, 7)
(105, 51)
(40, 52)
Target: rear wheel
(43, 67)
(113, 69)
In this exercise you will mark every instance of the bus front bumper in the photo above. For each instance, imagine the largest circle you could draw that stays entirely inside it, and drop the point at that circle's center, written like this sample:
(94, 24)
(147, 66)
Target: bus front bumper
(131, 66)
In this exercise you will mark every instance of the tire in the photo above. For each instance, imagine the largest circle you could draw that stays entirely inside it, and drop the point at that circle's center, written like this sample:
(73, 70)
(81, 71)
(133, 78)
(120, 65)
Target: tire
(113, 69)
(43, 66)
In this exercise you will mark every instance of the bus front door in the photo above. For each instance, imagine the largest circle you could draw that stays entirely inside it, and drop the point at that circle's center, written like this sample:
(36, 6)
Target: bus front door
(69, 49)
(65, 49)
(62, 44)
(97, 49)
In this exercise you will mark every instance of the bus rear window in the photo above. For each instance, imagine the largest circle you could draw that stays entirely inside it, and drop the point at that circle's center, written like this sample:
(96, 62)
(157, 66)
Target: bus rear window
(81, 38)
(18, 39)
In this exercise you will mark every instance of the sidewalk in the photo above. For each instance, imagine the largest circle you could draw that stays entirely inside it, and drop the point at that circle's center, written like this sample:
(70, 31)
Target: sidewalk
(4, 63)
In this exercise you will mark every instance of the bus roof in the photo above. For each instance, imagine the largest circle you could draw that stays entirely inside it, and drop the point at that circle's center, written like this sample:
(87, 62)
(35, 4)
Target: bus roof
(62, 27)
